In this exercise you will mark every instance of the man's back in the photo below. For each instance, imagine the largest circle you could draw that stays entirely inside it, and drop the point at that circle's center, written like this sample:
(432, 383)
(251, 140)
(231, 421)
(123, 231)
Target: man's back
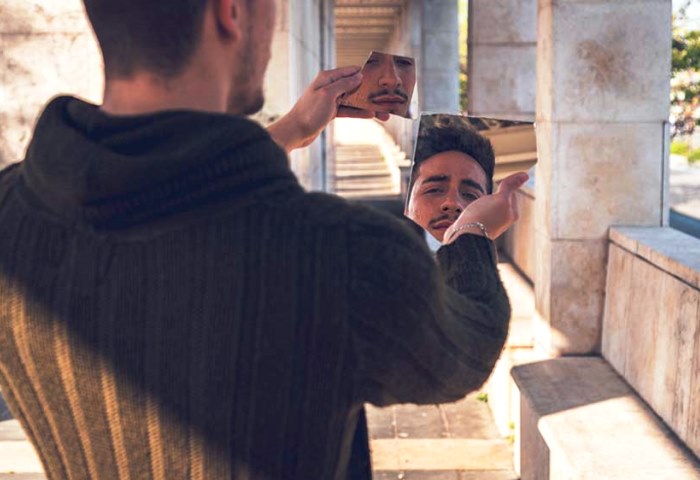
(202, 317)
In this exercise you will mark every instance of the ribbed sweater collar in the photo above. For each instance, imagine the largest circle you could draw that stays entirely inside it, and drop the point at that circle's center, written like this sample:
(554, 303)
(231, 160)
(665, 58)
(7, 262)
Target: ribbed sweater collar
(109, 171)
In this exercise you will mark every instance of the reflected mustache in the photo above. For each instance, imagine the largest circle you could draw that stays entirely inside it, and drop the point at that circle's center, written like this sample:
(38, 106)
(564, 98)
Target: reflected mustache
(384, 92)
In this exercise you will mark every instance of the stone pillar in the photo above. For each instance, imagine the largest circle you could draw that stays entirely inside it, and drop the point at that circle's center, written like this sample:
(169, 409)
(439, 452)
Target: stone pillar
(439, 60)
(602, 100)
(310, 30)
(46, 48)
(502, 53)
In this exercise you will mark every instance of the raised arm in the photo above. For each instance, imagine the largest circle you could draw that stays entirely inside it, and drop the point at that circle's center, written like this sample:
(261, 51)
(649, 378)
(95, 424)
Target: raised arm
(427, 330)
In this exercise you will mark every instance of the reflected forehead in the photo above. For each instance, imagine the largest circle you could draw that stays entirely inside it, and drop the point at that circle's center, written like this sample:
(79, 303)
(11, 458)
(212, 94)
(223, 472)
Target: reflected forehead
(451, 164)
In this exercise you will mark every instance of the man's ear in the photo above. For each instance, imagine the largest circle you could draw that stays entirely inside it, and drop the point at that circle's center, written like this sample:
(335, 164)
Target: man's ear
(228, 18)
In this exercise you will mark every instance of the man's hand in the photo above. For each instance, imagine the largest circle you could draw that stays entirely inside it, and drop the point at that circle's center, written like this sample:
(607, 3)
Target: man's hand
(317, 107)
(496, 212)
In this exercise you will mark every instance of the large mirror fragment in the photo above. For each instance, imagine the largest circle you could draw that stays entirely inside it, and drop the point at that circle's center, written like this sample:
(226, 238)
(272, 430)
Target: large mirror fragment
(458, 159)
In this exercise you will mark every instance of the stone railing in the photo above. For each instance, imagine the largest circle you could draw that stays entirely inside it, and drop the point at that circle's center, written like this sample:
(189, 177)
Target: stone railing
(651, 329)
(635, 413)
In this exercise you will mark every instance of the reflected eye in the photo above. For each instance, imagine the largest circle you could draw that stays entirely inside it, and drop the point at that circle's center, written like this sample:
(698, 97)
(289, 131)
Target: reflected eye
(433, 190)
(404, 62)
(469, 196)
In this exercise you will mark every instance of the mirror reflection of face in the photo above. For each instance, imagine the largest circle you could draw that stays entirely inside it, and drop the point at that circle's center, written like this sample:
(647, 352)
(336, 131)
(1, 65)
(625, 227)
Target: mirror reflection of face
(445, 185)
(387, 84)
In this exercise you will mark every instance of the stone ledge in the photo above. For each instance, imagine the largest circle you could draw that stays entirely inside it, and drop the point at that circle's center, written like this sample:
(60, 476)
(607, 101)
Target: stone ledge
(666, 248)
(581, 420)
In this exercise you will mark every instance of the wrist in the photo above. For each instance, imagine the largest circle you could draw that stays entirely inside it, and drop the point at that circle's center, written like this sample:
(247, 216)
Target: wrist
(284, 133)
(474, 228)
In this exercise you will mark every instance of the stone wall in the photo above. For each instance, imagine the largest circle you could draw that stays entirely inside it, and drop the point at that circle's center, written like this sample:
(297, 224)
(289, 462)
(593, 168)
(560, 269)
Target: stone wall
(519, 242)
(406, 40)
(311, 49)
(651, 331)
(427, 30)
(601, 106)
(502, 55)
(46, 48)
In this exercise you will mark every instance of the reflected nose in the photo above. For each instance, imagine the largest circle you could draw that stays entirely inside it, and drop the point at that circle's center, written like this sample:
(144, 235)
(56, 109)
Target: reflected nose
(452, 204)
(389, 76)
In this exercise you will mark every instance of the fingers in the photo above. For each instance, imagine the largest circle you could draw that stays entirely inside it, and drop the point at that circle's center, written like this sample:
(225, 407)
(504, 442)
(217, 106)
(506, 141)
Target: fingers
(383, 116)
(512, 182)
(350, 112)
(329, 77)
(343, 85)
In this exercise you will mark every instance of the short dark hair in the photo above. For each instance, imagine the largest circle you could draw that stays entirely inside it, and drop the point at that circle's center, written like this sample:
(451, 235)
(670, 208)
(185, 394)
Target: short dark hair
(445, 133)
(159, 36)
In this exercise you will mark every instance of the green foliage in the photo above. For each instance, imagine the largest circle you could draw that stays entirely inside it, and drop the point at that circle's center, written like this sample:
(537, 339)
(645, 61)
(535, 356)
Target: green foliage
(683, 148)
(685, 53)
(680, 148)
(694, 156)
(483, 397)
(463, 54)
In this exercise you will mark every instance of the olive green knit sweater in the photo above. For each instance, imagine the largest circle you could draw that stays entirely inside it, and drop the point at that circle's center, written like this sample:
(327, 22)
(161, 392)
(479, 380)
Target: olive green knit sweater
(174, 305)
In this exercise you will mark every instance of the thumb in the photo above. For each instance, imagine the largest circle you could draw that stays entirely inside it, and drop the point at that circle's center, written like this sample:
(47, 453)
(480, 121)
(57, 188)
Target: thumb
(512, 182)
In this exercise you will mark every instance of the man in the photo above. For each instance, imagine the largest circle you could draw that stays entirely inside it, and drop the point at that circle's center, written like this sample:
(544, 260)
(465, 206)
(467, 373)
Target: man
(453, 167)
(174, 305)
(387, 84)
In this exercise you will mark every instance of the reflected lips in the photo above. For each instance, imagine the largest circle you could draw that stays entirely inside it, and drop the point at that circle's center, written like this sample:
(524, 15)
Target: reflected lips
(442, 225)
(389, 99)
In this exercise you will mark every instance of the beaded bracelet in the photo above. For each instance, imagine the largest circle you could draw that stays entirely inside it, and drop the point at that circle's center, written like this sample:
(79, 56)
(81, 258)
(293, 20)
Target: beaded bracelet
(479, 225)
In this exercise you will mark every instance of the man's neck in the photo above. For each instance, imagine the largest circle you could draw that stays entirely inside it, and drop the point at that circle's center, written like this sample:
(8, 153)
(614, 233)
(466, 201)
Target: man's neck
(145, 93)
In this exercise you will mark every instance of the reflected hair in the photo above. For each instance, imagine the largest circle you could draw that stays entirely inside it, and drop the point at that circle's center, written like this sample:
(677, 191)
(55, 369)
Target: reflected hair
(158, 36)
(445, 133)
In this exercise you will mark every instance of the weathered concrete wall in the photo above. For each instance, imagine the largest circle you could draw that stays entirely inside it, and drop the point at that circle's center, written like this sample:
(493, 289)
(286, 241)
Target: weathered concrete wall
(406, 40)
(601, 106)
(302, 47)
(427, 30)
(519, 242)
(439, 81)
(502, 56)
(311, 50)
(46, 48)
(651, 332)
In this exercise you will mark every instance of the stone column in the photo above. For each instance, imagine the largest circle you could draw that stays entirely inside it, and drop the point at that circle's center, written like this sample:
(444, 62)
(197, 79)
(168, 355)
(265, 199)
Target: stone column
(439, 73)
(310, 31)
(502, 53)
(46, 48)
(603, 73)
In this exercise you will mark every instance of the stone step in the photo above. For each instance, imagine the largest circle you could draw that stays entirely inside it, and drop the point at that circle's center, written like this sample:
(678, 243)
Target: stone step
(581, 420)
(363, 194)
(18, 459)
(383, 177)
(441, 454)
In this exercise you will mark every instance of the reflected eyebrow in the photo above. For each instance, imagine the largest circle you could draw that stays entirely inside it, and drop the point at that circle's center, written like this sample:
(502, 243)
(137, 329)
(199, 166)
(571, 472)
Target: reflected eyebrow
(474, 184)
(436, 179)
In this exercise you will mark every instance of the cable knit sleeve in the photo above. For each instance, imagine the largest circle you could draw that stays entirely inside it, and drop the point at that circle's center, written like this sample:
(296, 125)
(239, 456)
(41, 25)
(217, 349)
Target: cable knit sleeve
(425, 329)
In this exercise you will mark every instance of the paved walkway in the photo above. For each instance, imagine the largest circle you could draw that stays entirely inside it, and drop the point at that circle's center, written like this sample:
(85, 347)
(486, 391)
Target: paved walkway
(18, 461)
(685, 190)
(457, 441)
